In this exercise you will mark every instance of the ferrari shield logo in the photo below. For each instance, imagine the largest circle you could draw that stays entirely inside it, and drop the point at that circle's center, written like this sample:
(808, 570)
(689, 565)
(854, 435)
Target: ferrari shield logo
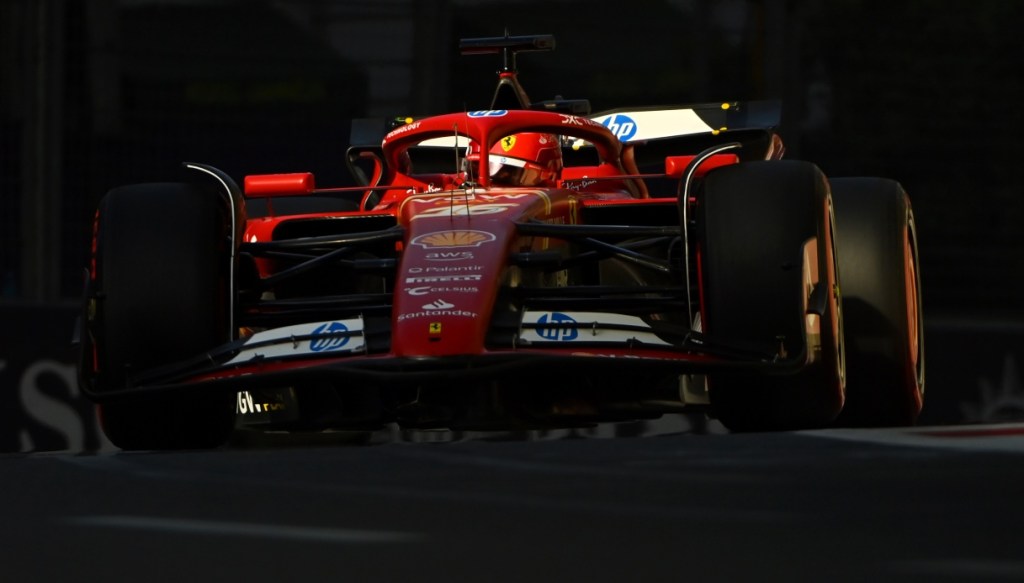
(435, 328)
(508, 142)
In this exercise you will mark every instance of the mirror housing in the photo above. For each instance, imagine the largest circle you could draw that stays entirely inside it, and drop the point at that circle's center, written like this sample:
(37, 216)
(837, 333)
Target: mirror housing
(265, 185)
(676, 165)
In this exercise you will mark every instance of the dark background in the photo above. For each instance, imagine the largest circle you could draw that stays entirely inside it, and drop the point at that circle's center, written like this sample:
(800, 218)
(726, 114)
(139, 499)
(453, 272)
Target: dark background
(99, 93)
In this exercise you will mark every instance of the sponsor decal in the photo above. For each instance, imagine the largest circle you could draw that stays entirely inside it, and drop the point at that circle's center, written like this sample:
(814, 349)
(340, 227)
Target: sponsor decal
(453, 239)
(406, 128)
(438, 305)
(441, 278)
(446, 269)
(342, 336)
(575, 120)
(449, 256)
(622, 126)
(488, 113)
(646, 125)
(587, 327)
(562, 327)
(326, 338)
(247, 405)
(42, 406)
(54, 415)
(471, 199)
(460, 210)
(579, 184)
(507, 160)
(425, 290)
(436, 313)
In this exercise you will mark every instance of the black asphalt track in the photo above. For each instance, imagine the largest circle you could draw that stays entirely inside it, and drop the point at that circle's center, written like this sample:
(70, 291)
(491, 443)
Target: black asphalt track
(868, 506)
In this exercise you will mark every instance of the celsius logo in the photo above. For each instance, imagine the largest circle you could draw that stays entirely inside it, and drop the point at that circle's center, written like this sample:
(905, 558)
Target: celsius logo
(326, 337)
(622, 126)
(558, 327)
(488, 113)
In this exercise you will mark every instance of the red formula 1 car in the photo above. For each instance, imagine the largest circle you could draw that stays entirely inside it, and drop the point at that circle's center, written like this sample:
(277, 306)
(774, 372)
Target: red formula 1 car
(524, 266)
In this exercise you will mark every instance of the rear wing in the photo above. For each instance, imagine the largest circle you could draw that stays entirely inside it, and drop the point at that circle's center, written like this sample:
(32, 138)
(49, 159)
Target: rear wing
(653, 123)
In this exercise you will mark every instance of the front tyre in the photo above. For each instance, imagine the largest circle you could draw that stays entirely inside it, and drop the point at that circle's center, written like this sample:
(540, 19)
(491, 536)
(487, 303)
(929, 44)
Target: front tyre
(159, 294)
(770, 287)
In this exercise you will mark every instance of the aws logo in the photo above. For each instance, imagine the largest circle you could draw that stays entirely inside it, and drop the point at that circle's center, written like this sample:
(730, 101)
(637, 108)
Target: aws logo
(449, 256)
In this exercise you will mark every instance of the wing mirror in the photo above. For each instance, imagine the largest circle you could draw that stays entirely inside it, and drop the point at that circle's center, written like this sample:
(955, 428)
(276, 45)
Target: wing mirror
(264, 185)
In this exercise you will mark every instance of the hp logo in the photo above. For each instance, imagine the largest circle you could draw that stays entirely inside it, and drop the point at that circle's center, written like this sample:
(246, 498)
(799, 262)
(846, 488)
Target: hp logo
(488, 113)
(622, 126)
(325, 339)
(560, 328)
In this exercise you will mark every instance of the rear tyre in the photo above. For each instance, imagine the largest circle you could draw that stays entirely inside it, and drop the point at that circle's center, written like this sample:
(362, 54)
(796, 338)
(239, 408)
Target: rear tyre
(160, 295)
(769, 284)
(878, 260)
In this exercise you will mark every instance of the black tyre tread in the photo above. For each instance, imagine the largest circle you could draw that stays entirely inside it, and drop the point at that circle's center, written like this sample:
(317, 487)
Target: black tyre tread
(165, 422)
(755, 219)
(161, 265)
(885, 382)
(157, 256)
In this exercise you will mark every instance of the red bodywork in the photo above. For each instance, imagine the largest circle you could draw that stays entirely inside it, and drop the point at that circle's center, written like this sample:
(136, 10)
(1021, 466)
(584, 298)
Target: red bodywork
(452, 261)
(432, 296)
(457, 239)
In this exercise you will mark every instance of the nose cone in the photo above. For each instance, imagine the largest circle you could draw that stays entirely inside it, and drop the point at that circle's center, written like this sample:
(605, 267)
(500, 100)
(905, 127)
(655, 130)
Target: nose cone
(448, 279)
(452, 267)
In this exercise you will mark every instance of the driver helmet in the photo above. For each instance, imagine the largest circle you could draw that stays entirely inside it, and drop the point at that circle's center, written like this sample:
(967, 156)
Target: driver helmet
(526, 159)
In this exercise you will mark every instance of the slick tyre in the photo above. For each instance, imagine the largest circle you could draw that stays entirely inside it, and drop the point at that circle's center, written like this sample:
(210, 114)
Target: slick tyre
(770, 295)
(878, 261)
(160, 295)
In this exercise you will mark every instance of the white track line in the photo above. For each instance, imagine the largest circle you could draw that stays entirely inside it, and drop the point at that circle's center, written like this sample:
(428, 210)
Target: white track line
(1005, 437)
(244, 529)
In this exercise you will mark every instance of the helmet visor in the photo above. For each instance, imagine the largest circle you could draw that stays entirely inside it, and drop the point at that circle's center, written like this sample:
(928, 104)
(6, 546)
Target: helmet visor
(513, 171)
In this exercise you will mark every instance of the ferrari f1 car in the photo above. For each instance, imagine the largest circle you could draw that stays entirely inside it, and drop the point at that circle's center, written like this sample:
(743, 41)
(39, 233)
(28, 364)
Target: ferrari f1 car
(529, 265)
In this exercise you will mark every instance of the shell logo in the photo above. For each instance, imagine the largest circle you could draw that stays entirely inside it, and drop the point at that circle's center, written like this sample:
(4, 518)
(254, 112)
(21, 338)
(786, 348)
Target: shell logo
(455, 238)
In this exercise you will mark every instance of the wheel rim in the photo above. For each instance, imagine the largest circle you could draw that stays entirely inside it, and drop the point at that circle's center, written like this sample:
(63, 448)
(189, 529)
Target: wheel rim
(836, 297)
(913, 298)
